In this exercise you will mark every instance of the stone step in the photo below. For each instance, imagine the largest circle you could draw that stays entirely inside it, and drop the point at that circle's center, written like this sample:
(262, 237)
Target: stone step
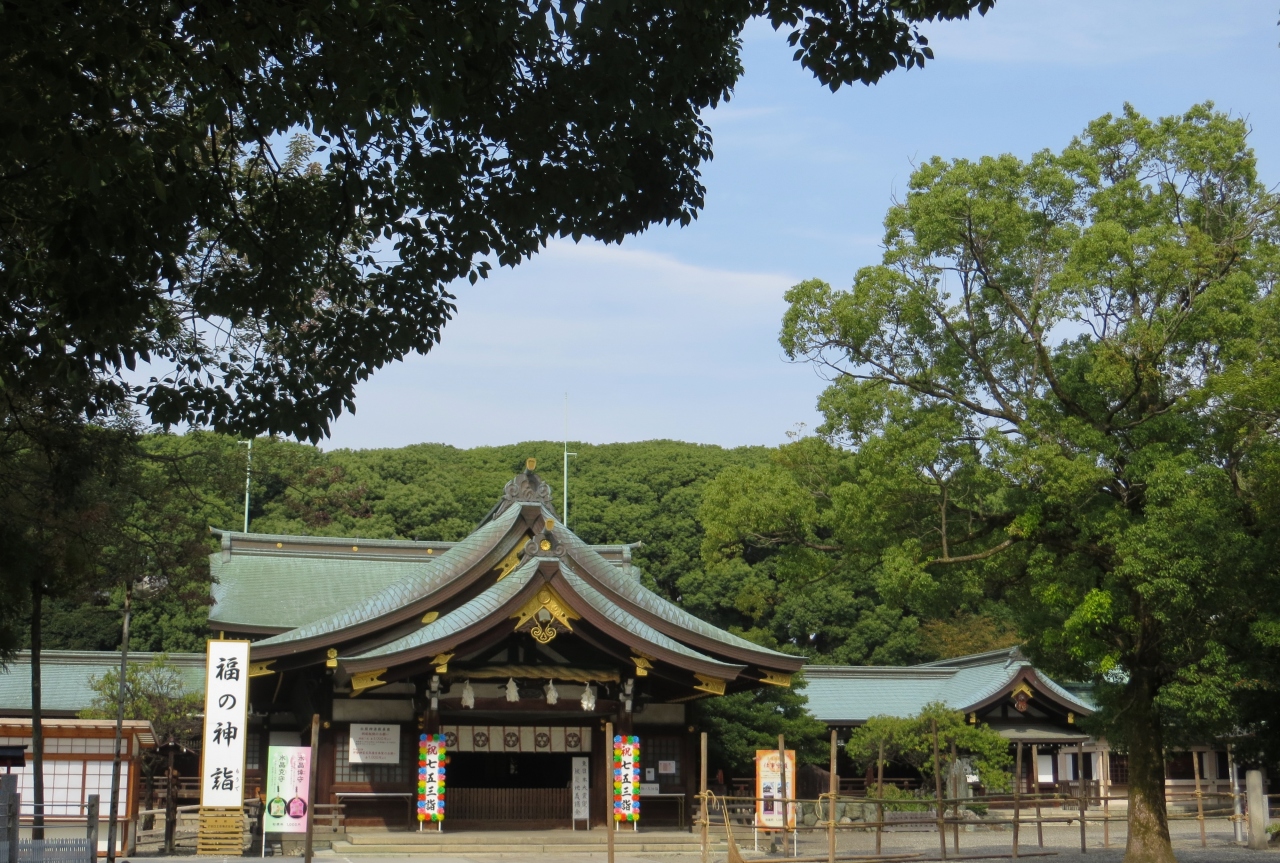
(516, 849)
(519, 837)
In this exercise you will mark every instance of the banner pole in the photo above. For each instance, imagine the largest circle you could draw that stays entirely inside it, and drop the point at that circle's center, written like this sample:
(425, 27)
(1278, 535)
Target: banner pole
(311, 786)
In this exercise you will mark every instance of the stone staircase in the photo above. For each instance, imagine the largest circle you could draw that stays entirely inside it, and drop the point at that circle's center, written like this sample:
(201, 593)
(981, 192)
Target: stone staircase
(517, 843)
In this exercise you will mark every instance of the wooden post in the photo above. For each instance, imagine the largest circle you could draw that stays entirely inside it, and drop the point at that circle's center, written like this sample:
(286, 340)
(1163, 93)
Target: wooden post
(1035, 771)
(91, 825)
(834, 788)
(1256, 802)
(706, 809)
(311, 787)
(608, 809)
(1195, 764)
(786, 810)
(1017, 800)
(937, 786)
(1083, 801)
(170, 804)
(879, 796)
(955, 805)
(1104, 769)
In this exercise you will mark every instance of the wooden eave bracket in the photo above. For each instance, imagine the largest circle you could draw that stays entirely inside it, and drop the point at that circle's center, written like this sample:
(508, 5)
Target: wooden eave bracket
(714, 685)
(775, 678)
(365, 680)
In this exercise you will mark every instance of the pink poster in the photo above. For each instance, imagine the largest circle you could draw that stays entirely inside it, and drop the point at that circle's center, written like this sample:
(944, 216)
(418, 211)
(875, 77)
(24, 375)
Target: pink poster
(288, 781)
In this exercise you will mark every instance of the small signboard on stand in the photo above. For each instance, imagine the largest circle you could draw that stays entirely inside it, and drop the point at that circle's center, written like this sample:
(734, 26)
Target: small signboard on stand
(581, 791)
(287, 791)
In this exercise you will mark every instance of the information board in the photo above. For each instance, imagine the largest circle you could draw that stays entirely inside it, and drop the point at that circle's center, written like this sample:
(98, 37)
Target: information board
(626, 778)
(581, 789)
(373, 744)
(769, 788)
(287, 791)
(226, 704)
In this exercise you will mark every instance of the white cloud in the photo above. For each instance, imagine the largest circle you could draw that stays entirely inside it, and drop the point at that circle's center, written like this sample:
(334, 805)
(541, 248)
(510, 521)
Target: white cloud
(646, 345)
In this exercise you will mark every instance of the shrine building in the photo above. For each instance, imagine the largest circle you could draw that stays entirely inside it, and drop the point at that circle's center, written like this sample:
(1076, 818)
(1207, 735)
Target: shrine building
(517, 644)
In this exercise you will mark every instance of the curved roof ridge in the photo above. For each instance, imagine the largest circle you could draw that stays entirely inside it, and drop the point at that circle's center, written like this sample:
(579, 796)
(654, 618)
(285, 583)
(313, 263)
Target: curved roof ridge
(633, 590)
(480, 605)
(434, 573)
(629, 621)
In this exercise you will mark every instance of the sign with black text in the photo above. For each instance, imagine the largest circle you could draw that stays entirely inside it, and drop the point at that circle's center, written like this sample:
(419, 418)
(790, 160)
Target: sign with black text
(226, 709)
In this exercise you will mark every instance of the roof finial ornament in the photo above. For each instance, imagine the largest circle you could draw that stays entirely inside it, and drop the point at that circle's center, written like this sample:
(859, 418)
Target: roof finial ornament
(524, 487)
(530, 464)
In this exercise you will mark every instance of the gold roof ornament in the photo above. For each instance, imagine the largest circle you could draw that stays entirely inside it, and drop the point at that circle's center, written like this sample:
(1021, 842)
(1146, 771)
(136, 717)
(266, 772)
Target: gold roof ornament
(441, 662)
(714, 685)
(530, 463)
(331, 658)
(261, 669)
(643, 665)
(544, 609)
(774, 678)
(366, 680)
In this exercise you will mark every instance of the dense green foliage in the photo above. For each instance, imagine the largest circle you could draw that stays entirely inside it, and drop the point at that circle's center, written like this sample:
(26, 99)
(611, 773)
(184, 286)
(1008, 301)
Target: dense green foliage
(639, 492)
(910, 740)
(155, 213)
(1054, 403)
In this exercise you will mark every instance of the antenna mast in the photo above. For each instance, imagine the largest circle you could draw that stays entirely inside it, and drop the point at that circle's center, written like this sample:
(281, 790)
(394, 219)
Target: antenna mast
(248, 475)
(564, 511)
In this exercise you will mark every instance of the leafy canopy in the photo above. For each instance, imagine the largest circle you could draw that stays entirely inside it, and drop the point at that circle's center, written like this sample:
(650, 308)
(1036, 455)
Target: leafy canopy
(155, 213)
(909, 740)
(1061, 389)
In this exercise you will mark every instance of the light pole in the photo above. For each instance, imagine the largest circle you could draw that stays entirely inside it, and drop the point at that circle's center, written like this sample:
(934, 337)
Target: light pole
(564, 512)
(248, 474)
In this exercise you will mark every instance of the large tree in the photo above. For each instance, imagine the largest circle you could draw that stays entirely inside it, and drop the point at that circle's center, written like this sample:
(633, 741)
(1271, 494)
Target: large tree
(267, 201)
(1059, 392)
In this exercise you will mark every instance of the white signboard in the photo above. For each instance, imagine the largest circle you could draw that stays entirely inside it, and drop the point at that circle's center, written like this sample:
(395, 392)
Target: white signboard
(226, 706)
(374, 744)
(581, 789)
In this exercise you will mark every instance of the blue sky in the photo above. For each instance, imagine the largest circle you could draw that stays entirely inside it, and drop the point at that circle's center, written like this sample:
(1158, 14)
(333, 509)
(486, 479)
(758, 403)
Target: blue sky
(673, 334)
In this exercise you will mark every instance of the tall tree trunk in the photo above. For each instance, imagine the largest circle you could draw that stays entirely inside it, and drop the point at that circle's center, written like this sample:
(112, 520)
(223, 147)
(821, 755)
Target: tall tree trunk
(122, 694)
(1148, 818)
(37, 727)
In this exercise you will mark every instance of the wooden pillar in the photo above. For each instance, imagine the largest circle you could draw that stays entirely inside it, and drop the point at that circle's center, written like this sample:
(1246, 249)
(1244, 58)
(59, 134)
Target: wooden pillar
(879, 796)
(833, 788)
(1035, 771)
(1017, 798)
(1104, 770)
(311, 788)
(609, 822)
(704, 811)
(1195, 764)
(1083, 802)
(955, 806)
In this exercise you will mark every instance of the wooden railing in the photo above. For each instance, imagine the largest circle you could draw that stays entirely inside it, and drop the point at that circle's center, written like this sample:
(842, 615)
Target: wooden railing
(509, 804)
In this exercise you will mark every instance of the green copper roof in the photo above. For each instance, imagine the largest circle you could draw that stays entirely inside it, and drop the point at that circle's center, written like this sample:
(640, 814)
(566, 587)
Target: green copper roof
(840, 694)
(66, 677)
(418, 583)
(633, 591)
(476, 609)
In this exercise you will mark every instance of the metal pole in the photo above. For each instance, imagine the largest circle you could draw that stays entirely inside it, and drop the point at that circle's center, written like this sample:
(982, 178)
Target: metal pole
(1195, 765)
(311, 788)
(879, 797)
(565, 510)
(834, 788)
(1237, 812)
(1083, 802)
(248, 474)
(937, 786)
(115, 762)
(1017, 800)
(609, 814)
(702, 787)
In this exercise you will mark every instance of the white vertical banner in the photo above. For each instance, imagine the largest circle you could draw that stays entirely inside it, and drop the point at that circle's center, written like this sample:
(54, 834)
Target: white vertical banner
(226, 710)
(581, 789)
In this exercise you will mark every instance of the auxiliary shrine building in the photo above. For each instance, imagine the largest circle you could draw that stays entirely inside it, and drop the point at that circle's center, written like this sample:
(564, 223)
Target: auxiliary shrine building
(517, 643)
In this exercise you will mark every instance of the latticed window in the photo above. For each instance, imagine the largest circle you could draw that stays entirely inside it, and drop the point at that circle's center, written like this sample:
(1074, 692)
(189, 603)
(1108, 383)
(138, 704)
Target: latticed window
(1119, 769)
(375, 774)
(657, 752)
